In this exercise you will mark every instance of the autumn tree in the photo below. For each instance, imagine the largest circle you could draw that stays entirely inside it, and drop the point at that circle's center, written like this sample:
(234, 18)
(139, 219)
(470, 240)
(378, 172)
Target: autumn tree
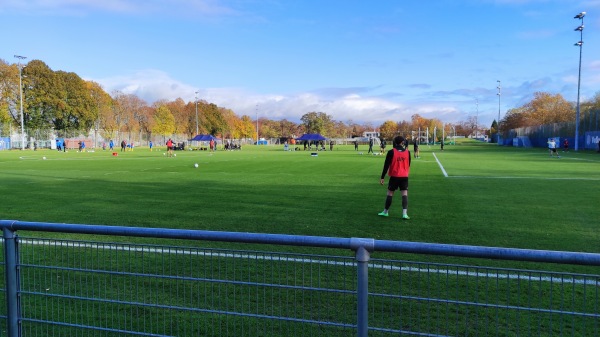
(405, 129)
(9, 94)
(288, 129)
(388, 130)
(185, 116)
(128, 113)
(102, 103)
(230, 121)
(514, 118)
(164, 122)
(246, 127)
(546, 108)
(419, 122)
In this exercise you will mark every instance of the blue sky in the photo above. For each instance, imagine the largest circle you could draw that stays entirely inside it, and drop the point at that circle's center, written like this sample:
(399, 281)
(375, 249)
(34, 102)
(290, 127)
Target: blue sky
(361, 61)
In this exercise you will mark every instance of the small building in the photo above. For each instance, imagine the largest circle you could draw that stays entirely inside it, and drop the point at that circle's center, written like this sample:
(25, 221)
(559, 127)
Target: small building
(369, 134)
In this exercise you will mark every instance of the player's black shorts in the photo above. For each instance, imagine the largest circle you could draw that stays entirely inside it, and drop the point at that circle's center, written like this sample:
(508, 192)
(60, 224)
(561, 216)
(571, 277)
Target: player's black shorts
(553, 150)
(396, 183)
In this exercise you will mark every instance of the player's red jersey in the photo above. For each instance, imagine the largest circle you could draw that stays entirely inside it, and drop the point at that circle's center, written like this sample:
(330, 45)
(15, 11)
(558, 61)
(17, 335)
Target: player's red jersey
(400, 165)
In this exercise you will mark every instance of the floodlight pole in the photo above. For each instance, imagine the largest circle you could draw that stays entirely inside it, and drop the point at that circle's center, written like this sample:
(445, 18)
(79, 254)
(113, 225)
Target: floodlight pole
(443, 132)
(256, 124)
(454, 137)
(196, 100)
(477, 118)
(21, 97)
(580, 44)
(498, 122)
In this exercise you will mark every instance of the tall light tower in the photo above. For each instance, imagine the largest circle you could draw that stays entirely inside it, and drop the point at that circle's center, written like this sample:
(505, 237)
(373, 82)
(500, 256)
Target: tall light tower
(21, 66)
(196, 100)
(257, 124)
(477, 118)
(580, 44)
(498, 122)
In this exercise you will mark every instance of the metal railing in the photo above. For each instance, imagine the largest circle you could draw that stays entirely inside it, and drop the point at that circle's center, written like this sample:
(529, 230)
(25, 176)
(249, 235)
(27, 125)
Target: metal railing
(58, 287)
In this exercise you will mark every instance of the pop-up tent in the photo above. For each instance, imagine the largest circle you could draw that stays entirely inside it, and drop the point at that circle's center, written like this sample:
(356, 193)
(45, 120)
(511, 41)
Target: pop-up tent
(203, 138)
(311, 137)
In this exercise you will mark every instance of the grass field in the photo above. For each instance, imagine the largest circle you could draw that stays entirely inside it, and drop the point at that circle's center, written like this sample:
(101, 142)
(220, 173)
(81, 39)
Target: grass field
(471, 193)
(492, 196)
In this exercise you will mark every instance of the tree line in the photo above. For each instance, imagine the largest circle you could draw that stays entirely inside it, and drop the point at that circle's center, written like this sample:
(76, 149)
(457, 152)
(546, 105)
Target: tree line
(65, 103)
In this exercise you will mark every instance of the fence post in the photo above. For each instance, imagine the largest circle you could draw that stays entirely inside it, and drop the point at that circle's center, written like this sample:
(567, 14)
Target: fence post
(362, 248)
(10, 268)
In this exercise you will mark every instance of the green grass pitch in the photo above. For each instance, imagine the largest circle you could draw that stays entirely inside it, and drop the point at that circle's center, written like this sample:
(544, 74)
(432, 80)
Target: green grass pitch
(492, 196)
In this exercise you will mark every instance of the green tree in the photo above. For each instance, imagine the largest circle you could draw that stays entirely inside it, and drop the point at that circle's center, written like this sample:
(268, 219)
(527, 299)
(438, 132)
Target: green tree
(75, 106)
(43, 95)
(317, 122)
(494, 131)
(214, 122)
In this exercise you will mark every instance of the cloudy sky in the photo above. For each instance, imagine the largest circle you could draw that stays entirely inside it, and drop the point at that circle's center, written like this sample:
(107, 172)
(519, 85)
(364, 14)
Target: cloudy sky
(365, 61)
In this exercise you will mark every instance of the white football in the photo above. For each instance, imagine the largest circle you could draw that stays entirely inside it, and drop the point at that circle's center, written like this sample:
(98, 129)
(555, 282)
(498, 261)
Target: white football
(196, 165)
(44, 158)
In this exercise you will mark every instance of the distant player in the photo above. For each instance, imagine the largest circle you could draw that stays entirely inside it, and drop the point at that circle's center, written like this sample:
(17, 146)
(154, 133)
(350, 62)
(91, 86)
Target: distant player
(566, 145)
(416, 149)
(169, 148)
(397, 166)
(552, 148)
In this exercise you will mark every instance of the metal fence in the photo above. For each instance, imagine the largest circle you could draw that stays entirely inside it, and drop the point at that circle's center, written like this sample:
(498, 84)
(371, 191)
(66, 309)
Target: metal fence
(60, 287)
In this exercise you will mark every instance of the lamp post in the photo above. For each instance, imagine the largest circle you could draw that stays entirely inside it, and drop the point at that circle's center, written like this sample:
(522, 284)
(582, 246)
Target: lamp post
(477, 118)
(196, 100)
(21, 97)
(256, 124)
(498, 122)
(454, 135)
(580, 45)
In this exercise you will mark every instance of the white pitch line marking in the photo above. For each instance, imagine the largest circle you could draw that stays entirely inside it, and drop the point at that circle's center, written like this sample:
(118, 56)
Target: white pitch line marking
(440, 164)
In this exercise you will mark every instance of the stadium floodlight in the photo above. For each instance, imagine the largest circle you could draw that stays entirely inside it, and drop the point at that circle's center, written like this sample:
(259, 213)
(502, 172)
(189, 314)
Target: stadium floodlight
(454, 135)
(196, 100)
(477, 118)
(498, 122)
(580, 45)
(21, 66)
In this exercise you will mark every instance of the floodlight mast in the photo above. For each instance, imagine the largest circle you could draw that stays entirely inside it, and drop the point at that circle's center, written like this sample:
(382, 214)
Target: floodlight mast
(477, 118)
(580, 45)
(498, 122)
(196, 100)
(21, 98)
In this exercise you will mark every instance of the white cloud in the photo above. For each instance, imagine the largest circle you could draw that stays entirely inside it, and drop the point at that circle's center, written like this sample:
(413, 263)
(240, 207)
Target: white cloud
(154, 85)
(360, 104)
